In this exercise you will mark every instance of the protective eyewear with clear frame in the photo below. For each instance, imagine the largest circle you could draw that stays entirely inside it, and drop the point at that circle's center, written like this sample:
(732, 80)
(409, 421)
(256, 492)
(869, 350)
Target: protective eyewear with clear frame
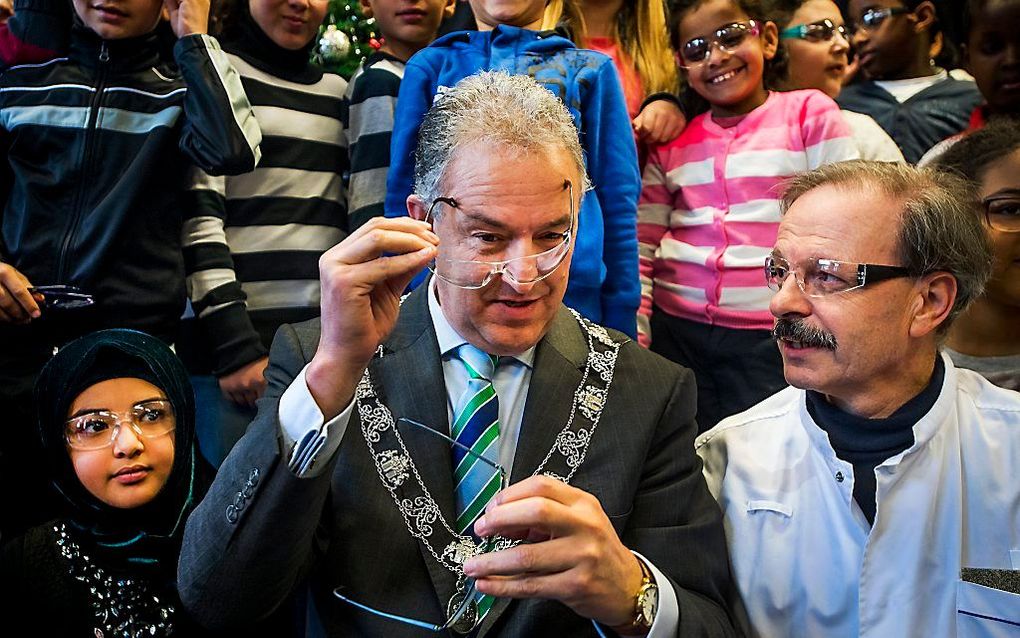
(474, 274)
(873, 19)
(728, 38)
(99, 429)
(1002, 212)
(458, 612)
(820, 31)
(824, 277)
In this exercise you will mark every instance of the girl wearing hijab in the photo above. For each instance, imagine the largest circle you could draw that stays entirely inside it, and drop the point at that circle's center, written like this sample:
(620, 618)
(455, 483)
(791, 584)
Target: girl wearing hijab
(116, 416)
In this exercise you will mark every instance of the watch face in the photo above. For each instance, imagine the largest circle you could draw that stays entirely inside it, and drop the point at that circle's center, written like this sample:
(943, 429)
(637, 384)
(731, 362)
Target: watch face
(650, 602)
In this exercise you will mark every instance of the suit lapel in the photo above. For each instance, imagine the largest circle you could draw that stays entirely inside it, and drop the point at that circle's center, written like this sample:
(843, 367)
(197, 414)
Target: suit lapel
(406, 377)
(559, 362)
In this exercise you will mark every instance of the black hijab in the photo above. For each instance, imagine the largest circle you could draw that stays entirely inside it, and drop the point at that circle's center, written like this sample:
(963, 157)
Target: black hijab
(243, 37)
(144, 539)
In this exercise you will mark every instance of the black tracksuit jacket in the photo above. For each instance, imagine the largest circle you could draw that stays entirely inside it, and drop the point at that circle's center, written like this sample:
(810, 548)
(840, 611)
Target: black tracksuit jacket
(98, 147)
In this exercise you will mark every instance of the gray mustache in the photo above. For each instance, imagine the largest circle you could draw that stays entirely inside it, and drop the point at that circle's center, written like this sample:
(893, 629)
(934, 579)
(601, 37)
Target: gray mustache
(799, 330)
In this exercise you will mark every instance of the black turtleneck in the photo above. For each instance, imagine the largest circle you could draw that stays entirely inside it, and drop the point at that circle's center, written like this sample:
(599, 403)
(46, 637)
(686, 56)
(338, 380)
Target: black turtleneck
(866, 443)
(246, 39)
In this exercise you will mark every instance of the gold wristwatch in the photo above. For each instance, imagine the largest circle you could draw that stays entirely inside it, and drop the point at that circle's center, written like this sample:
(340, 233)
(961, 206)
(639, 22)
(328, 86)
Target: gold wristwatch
(646, 604)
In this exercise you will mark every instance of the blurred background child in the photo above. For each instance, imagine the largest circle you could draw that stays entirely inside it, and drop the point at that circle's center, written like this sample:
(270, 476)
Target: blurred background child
(636, 36)
(709, 208)
(371, 98)
(813, 54)
(986, 337)
(916, 102)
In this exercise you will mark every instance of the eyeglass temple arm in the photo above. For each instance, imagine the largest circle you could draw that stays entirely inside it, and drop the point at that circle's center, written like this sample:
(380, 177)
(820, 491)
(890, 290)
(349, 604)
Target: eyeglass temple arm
(461, 446)
(372, 610)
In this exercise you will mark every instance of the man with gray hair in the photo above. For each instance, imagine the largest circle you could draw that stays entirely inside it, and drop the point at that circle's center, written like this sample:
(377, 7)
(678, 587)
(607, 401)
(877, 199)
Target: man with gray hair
(854, 499)
(474, 459)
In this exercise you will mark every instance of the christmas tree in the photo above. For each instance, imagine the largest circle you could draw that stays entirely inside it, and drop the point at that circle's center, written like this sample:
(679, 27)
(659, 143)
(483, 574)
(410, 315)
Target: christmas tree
(346, 38)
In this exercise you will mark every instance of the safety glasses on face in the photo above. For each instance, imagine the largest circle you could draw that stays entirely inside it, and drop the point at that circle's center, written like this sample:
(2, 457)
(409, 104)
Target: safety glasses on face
(100, 428)
(823, 277)
(462, 615)
(728, 38)
(1002, 212)
(821, 31)
(474, 274)
(873, 18)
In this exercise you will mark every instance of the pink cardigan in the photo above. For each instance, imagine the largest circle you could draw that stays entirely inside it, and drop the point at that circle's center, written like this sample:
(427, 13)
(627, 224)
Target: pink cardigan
(709, 208)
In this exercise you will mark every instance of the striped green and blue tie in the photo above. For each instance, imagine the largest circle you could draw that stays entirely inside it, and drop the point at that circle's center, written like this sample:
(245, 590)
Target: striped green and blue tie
(476, 426)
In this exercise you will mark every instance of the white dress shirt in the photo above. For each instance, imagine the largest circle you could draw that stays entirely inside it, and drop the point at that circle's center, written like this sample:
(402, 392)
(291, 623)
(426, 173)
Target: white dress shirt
(313, 442)
(805, 559)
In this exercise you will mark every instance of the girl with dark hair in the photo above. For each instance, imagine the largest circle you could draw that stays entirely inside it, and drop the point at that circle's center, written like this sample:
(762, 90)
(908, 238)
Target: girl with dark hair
(116, 417)
(709, 209)
(813, 54)
(986, 338)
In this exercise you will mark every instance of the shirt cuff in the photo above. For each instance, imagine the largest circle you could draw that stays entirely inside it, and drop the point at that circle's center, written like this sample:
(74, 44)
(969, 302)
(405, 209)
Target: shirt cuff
(311, 442)
(667, 618)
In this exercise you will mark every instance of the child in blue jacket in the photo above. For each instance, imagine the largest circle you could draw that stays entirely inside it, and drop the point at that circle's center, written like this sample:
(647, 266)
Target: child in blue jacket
(604, 283)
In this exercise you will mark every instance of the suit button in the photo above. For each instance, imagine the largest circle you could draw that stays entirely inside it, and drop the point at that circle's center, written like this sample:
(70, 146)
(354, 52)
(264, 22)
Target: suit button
(839, 477)
(239, 502)
(253, 478)
(248, 490)
(231, 514)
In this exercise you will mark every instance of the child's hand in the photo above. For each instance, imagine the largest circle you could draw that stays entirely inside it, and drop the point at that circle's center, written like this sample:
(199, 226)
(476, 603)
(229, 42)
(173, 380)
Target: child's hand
(188, 17)
(659, 122)
(17, 304)
(6, 10)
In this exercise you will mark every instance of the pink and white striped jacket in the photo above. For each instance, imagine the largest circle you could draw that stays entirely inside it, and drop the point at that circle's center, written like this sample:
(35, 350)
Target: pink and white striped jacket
(709, 208)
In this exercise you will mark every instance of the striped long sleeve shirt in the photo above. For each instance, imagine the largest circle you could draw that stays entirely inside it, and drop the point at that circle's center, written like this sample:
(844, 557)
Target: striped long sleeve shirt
(709, 209)
(252, 242)
(369, 105)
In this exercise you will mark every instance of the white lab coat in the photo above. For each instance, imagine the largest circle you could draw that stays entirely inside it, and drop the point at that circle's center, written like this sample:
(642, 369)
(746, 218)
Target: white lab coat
(804, 557)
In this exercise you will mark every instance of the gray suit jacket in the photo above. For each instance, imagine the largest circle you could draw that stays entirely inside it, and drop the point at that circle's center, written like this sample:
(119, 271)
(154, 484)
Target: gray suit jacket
(261, 531)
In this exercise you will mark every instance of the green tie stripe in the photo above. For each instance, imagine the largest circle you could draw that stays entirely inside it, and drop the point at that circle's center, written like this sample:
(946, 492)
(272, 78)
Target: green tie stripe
(490, 434)
(484, 604)
(471, 512)
(480, 398)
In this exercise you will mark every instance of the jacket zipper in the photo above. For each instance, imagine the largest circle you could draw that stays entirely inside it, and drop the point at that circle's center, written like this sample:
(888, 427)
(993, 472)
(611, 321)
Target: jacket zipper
(87, 154)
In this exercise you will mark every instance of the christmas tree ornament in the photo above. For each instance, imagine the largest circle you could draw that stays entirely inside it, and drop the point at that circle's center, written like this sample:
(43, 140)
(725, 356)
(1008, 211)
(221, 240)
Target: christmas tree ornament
(334, 45)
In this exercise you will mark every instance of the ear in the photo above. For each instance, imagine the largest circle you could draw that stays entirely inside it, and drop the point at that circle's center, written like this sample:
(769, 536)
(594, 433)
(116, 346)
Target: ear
(769, 40)
(417, 208)
(449, 9)
(936, 294)
(924, 16)
(366, 8)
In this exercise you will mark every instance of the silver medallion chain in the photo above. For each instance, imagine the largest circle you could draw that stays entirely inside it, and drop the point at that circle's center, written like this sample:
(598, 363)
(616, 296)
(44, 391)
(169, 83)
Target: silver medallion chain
(419, 509)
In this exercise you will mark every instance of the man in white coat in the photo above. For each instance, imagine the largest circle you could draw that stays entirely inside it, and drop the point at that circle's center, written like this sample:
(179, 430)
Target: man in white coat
(853, 499)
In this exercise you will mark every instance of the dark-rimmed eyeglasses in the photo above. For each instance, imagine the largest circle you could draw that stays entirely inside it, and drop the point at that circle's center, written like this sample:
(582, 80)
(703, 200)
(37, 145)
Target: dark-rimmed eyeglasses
(472, 274)
(1002, 213)
(457, 613)
(99, 429)
(823, 277)
(820, 31)
(62, 297)
(873, 18)
(729, 38)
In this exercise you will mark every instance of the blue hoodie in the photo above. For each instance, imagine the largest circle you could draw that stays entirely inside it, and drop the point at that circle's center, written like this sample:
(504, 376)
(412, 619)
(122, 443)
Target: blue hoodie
(604, 284)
